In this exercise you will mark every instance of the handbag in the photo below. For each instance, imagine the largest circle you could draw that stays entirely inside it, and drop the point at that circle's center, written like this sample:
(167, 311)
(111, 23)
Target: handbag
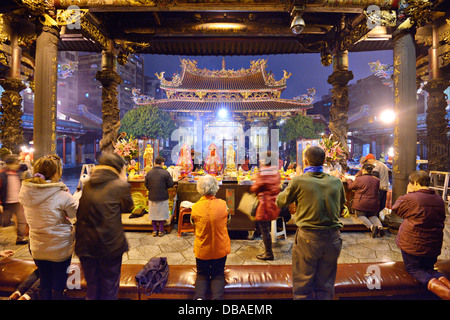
(248, 204)
(153, 277)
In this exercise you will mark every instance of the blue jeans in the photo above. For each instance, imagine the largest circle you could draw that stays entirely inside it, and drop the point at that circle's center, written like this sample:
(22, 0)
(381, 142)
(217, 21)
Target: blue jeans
(420, 268)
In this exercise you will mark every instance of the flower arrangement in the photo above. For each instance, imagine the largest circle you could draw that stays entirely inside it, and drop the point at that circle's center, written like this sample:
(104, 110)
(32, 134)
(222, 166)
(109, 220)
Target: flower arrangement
(127, 148)
(333, 149)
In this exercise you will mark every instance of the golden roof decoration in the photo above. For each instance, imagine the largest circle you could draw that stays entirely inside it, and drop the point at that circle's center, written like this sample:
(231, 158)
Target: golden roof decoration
(257, 68)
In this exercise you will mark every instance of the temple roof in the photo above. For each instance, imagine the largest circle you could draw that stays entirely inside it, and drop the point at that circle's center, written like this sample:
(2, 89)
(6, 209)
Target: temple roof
(270, 105)
(254, 78)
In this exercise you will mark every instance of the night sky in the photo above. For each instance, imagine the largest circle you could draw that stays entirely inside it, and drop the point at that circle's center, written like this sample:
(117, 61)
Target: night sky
(307, 72)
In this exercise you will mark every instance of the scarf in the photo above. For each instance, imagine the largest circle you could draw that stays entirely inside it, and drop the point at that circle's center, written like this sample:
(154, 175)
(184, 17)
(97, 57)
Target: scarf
(313, 169)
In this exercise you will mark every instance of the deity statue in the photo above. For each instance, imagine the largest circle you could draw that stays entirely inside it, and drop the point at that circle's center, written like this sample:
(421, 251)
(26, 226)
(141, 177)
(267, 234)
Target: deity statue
(213, 165)
(132, 169)
(148, 158)
(231, 158)
(185, 160)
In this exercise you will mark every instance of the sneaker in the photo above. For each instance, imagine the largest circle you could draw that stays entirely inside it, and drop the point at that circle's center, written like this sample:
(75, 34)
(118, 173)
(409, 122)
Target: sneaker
(155, 233)
(161, 233)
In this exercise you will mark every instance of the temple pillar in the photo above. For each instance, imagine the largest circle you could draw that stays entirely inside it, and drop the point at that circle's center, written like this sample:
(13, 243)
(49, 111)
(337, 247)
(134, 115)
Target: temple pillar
(436, 104)
(109, 79)
(45, 78)
(11, 130)
(405, 107)
(73, 152)
(339, 109)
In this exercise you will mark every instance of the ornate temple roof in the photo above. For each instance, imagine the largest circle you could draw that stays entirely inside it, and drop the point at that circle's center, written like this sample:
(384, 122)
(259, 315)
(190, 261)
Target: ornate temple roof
(269, 105)
(243, 90)
(254, 78)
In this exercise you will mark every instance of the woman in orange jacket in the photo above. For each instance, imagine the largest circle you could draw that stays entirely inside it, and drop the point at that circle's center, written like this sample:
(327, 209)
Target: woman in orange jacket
(212, 243)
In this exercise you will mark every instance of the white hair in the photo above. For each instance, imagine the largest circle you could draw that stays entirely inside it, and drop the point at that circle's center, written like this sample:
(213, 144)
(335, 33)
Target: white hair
(207, 185)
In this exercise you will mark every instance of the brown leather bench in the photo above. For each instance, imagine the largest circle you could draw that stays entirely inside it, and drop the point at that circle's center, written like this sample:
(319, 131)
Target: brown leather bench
(248, 281)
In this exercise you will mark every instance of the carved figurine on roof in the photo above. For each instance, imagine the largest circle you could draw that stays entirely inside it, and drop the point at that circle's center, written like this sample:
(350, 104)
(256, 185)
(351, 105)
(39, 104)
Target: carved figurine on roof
(213, 164)
(185, 160)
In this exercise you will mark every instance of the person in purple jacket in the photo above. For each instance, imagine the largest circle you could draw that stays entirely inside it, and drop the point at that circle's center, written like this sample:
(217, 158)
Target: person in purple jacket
(421, 233)
(366, 203)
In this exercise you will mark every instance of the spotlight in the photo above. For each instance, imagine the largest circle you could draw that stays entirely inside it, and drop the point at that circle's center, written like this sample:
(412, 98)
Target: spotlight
(223, 113)
(297, 24)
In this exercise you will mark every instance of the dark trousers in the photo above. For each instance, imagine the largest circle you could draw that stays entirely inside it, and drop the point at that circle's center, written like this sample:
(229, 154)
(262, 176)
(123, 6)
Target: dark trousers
(53, 278)
(264, 227)
(314, 263)
(210, 274)
(382, 195)
(420, 268)
(102, 277)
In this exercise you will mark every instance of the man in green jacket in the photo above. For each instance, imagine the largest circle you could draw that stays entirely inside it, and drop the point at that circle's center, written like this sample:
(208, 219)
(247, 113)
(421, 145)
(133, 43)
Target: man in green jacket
(319, 198)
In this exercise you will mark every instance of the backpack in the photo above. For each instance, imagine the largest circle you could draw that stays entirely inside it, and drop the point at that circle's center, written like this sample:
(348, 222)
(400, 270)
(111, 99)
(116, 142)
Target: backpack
(153, 277)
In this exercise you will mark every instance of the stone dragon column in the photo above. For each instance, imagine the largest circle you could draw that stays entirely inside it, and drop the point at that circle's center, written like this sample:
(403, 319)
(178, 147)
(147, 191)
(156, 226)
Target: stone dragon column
(11, 108)
(339, 110)
(436, 103)
(110, 108)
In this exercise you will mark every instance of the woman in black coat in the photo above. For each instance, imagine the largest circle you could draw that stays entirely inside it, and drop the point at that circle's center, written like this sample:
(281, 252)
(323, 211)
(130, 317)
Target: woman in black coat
(100, 239)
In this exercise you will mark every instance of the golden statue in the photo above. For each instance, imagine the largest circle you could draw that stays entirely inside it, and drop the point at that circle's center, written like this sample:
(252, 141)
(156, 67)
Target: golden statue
(148, 158)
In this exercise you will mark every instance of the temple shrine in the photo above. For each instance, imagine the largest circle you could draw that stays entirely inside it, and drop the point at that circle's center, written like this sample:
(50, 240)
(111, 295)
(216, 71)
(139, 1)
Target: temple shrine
(217, 110)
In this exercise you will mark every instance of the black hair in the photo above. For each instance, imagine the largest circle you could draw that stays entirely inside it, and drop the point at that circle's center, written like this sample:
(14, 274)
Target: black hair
(113, 160)
(421, 177)
(159, 160)
(315, 156)
(368, 167)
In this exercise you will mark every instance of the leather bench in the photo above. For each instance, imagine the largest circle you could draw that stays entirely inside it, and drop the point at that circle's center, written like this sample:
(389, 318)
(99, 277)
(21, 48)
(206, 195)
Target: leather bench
(248, 281)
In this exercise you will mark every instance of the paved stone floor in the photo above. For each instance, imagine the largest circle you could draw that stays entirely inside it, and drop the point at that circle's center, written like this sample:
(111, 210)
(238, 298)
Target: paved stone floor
(357, 247)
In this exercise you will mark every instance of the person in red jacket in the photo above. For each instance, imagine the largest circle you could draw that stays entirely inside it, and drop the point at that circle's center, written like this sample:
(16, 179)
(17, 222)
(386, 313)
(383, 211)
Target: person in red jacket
(421, 233)
(366, 202)
(267, 188)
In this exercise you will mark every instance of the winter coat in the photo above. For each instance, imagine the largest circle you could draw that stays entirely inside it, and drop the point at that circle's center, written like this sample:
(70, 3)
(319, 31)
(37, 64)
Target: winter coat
(421, 232)
(157, 181)
(47, 208)
(99, 230)
(267, 188)
(210, 217)
(366, 194)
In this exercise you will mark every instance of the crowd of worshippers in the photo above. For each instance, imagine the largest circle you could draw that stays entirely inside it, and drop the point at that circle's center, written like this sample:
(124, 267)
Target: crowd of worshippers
(88, 223)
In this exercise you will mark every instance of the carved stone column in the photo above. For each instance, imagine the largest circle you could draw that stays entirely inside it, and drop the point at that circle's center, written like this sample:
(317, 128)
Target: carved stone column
(436, 102)
(11, 109)
(11, 130)
(45, 78)
(110, 108)
(339, 109)
(405, 107)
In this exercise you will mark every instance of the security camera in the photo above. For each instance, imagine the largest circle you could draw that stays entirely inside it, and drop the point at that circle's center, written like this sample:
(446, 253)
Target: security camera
(297, 24)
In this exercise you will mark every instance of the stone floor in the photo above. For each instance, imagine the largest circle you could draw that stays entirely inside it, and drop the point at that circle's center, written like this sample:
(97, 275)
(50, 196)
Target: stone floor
(357, 247)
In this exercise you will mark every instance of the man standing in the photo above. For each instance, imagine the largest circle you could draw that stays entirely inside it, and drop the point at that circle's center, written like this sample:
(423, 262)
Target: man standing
(320, 199)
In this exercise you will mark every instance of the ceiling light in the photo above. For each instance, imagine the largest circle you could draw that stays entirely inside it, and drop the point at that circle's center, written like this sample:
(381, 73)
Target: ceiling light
(297, 24)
